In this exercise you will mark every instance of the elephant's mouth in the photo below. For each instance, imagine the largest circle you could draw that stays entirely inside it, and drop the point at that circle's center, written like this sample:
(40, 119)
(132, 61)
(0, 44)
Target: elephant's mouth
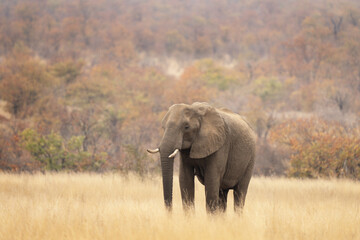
(186, 145)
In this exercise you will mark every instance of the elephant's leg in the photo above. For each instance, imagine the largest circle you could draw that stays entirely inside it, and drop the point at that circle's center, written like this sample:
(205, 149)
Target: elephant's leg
(223, 199)
(239, 197)
(214, 169)
(212, 198)
(186, 178)
(212, 187)
(241, 188)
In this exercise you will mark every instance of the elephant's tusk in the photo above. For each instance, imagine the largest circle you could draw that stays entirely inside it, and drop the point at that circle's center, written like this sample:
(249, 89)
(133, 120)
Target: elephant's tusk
(174, 153)
(153, 150)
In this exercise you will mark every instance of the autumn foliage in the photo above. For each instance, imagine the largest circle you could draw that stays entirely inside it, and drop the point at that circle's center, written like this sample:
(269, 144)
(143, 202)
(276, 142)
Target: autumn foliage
(320, 148)
(84, 84)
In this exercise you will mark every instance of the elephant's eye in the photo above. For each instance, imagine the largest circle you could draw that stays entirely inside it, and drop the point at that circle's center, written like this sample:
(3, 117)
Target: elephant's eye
(186, 127)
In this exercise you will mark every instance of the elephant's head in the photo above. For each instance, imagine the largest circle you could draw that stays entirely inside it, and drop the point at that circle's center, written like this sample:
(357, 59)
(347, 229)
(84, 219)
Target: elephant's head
(198, 128)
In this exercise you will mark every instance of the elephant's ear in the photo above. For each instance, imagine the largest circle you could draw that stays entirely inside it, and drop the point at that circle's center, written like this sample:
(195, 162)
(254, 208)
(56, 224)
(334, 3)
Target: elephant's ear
(212, 134)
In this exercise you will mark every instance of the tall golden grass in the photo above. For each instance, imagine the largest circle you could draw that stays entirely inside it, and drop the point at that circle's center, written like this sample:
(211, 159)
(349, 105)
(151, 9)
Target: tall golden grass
(110, 206)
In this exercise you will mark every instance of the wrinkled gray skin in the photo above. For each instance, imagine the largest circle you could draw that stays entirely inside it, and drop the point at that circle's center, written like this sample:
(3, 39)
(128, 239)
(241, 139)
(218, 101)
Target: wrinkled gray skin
(216, 145)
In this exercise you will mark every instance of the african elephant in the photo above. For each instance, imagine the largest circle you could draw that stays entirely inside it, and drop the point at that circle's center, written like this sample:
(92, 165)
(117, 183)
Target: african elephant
(216, 145)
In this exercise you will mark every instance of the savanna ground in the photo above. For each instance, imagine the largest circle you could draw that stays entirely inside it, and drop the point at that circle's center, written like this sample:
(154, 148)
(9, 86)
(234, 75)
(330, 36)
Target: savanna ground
(110, 206)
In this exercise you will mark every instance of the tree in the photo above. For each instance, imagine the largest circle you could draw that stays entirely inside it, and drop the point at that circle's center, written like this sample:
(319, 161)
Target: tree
(112, 124)
(12, 156)
(189, 88)
(24, 79)
(309, 49)
(268, 89)
(27, 16)
(47, 150)
(214, 75)
(55, 154)
(68, 70)
(319, 148)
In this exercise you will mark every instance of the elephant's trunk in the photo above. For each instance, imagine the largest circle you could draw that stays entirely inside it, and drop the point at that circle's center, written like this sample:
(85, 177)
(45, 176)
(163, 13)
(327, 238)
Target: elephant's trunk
(167, 168)
(168, 144)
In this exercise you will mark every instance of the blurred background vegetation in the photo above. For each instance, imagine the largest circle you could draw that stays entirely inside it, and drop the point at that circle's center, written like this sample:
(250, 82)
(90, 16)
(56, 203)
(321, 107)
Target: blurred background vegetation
(84, 84)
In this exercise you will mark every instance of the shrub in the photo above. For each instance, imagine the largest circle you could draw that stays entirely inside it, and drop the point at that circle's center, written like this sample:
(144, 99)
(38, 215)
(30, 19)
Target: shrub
(320, 148)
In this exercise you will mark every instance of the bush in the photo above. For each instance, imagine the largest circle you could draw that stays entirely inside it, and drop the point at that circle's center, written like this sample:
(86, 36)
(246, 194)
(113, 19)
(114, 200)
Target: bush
(54, 154)
(320, 148)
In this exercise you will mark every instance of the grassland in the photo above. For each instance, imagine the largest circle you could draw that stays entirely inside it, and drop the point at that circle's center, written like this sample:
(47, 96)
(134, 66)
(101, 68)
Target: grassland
(87, 206)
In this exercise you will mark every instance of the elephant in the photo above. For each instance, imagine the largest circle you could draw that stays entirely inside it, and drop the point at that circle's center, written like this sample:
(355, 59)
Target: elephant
(216, 145)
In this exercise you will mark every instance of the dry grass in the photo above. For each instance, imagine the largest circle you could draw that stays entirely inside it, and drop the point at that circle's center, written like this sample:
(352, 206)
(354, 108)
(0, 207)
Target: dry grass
(84, 206)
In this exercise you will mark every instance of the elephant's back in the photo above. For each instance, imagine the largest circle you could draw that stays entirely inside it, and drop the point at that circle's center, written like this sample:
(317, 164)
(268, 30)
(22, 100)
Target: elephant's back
(239, 127)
